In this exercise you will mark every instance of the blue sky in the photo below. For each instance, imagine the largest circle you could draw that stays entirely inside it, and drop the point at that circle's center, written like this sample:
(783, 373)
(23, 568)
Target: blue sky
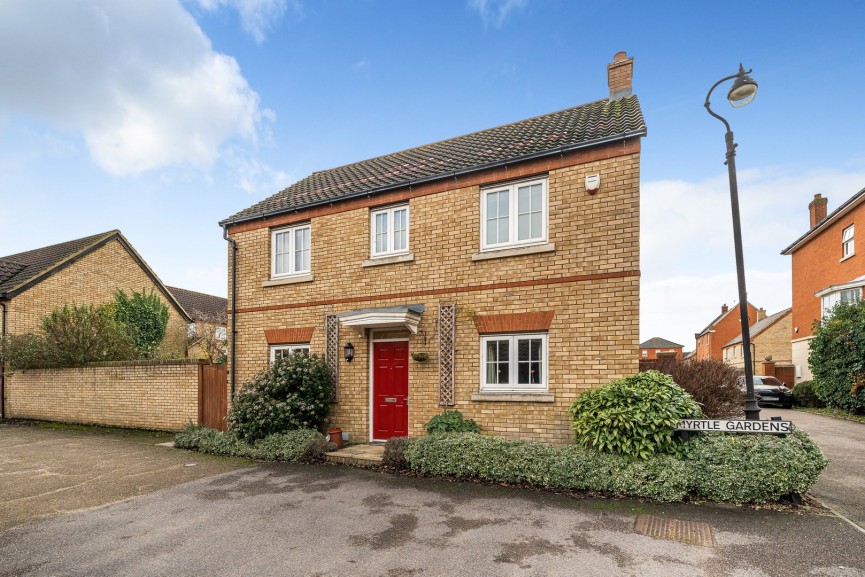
(161, 118)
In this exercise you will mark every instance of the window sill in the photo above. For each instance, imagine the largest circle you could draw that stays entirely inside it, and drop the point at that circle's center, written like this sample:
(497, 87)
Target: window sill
(514, 251)
(849, 256)
(514, 397)
(382, 260)
(288, 280)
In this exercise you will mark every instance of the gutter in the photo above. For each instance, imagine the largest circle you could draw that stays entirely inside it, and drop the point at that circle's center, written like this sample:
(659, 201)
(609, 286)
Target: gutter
(233, 297)
(409, 183)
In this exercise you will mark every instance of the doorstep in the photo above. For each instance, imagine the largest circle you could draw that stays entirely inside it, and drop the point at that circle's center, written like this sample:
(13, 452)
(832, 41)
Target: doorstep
(364, 455)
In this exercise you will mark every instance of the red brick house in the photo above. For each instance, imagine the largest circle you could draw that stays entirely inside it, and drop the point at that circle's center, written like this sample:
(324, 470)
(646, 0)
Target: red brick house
(826, 270)
(495, 272)
(658, 348)
(719, 332)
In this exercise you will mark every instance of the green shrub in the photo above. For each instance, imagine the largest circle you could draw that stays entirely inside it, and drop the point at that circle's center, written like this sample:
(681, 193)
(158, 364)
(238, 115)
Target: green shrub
(837, 357)
(805, 395)
(297, 445)
(451, 422)
(714, 384)
(146, 317)
(470, 455)
(394, 453)
(292, 393)
(736, 468)
(633, 416)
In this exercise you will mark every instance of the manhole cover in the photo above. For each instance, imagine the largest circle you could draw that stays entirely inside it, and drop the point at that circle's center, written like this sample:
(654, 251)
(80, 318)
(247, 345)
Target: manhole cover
(690, 532)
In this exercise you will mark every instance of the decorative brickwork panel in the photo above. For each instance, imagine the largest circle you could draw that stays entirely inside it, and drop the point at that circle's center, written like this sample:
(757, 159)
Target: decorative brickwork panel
(331, 350)
(447, 347)
(288, 336)
(515, 323)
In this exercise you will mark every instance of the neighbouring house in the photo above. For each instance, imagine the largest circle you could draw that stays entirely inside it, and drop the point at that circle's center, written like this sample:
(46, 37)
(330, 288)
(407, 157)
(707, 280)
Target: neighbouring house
(826, 270)
(658, 348)
(207, 331)
(496, 273)
(725, 326)
(84, 271)
(770, 347)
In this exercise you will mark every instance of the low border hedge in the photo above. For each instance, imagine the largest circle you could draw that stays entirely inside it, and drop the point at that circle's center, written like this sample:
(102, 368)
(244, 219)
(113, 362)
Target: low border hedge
(299, 445)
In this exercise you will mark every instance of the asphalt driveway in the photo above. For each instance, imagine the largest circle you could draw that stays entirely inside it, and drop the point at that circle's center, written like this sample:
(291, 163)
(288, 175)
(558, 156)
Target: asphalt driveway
(842, 484)
(45, 472)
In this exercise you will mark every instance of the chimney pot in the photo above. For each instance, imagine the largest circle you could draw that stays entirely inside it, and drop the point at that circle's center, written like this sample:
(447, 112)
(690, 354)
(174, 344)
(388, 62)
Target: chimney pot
(817, 209)
(620, 74)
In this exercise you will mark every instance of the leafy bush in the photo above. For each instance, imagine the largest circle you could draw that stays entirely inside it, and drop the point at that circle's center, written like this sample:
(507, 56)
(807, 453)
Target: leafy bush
(714, 384)
(394, 453)
(298, 445)
(292, 393)
(470, 455)
(451, 422)
(805, 395)
(633, 416)
(737, 468)
(145, 315)
(837, 357)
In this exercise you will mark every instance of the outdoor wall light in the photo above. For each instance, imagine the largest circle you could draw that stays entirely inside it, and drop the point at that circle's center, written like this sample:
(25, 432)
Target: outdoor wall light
(349, 352)
(743, 92)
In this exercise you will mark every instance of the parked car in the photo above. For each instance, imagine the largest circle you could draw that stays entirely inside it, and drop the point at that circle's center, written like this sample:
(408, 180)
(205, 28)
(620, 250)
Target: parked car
(769, 391)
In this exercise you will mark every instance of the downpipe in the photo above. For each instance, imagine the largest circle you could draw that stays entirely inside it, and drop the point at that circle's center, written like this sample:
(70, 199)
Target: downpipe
(233, 305)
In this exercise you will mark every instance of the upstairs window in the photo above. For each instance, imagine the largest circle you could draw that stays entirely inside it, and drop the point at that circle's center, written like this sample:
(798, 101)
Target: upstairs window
(831, 300)
(389, 231)
(848, 248)
(514, 214)
(291, 250)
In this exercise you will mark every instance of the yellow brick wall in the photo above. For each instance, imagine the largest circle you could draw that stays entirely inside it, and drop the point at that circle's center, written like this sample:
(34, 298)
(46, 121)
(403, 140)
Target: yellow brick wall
(774, 341)
(91, 280)
(147, 395)
(593, 338)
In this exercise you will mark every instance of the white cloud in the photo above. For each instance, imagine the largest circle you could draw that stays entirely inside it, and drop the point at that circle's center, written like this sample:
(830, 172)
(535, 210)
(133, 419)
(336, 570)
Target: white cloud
(257, 178)
(138, 80)
(686, 244)
(256, 16)
(361, 65)
(495, 12)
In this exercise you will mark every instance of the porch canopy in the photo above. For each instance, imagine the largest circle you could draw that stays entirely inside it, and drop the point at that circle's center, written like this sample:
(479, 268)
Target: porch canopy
(407, 316)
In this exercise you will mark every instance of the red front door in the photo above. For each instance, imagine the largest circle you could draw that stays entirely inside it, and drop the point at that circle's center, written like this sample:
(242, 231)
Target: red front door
(389, 390)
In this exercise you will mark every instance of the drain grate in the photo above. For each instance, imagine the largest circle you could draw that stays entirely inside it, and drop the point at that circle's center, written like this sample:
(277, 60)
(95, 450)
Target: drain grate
(690, 532)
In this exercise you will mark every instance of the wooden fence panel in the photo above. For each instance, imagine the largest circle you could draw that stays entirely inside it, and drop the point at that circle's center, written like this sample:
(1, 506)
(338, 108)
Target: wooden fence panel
(212, 396)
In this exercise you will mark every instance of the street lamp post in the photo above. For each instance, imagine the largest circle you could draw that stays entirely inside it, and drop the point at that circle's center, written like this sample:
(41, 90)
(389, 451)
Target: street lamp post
(742, 93)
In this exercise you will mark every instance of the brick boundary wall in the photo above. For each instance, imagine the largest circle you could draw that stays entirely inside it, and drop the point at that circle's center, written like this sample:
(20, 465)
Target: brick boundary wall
(160, 395)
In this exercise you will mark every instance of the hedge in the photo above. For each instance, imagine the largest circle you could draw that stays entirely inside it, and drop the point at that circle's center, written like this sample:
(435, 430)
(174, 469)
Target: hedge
(297, 445)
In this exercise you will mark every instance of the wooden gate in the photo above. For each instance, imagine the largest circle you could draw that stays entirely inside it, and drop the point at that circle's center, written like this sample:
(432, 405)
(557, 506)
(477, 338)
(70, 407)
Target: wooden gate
(212, 396)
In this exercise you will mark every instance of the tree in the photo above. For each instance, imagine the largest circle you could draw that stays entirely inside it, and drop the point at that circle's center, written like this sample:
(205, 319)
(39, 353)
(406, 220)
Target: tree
(837, 357)
(208, 335)
(145, 315)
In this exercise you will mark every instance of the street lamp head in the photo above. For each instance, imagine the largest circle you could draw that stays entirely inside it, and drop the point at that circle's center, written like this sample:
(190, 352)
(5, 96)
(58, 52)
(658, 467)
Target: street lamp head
(743, 91)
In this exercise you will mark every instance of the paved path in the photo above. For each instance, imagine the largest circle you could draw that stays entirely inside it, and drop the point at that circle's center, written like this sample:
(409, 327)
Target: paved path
(842, 484)
(49, 472)
(330, 521)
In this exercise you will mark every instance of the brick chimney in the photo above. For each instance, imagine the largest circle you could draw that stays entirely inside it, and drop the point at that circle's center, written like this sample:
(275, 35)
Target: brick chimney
(817, 208)
(761, 314)
(724, 308)
(619, 75)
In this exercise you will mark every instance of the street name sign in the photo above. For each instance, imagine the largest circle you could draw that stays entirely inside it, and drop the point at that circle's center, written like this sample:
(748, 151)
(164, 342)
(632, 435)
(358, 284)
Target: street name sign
(721, 426)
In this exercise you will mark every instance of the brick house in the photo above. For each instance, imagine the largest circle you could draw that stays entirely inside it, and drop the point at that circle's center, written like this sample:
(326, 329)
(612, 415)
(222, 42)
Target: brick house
(724, 327)
(209, 314)
(770, 337)
(496, 273)
(826, 270)
(658, 348)
(84, 271)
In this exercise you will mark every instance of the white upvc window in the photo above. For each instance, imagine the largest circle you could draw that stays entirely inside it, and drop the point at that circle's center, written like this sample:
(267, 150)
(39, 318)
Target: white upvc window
(514, 214)
(282, 351)
(833, 299)
(848, 246)
(389, 231)
(221, 333)
(291, 249)
(514, 363)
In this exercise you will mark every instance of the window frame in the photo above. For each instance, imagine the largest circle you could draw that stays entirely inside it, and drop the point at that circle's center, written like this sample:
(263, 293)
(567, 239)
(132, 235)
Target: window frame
(513, 214)
(389, 210)
(292, 249)
(291, 348)
(513, 370)
(848, 242)
(838, 298)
